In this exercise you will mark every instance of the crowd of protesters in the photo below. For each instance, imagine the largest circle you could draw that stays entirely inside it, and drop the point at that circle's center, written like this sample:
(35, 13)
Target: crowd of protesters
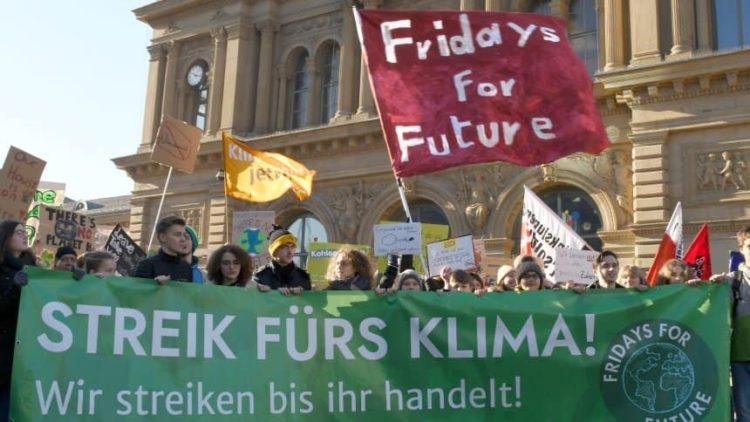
(350, 269)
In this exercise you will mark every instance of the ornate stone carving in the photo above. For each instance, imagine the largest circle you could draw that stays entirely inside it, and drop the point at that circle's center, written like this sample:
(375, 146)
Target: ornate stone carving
(615, 168)
(193, 217)
(308, 26)
(708, 175)
(733, 171)
(348, 205)
(549, 172)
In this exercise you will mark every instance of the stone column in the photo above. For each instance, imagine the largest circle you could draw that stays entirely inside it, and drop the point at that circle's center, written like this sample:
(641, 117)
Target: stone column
(366, 106)
(493, 5)
(170, 82)
(154, 93)
(217, 223)
(347, 79)
(239, 79)
(703, 24)
(644, 32)
(470, 5)
(216, 85)
(682, 29)
(263, 100)
(313, 92)
(283, 75)
(613, 35)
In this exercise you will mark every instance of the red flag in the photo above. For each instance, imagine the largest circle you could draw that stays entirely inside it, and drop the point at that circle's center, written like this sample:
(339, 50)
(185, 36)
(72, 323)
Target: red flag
(670, 246)
(698, 255)
(457, 88)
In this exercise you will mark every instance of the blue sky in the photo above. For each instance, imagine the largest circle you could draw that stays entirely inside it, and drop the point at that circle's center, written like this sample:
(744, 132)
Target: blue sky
(73, 85)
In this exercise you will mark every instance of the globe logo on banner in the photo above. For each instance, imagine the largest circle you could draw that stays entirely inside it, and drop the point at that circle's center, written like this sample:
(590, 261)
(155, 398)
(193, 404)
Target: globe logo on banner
(658, 370)
(659, 378)
(254, 241)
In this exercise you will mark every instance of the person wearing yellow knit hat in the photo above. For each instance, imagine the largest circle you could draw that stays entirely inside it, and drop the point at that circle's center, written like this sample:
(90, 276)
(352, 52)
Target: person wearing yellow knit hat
(282, 273)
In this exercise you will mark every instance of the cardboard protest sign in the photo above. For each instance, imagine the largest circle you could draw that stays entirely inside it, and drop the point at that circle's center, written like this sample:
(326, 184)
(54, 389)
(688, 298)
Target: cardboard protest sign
(19, 179)
(457, 88)
(575, 265)
(177, 144)
(542, 231)
(47, 193)
(127, 253)
(58, 227)
(319, 255)
(457, 253)
(250, 231)
(397, 239)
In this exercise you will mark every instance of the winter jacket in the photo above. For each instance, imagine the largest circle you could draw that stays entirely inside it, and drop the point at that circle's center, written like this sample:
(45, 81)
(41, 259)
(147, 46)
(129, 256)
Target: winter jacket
(162, 264)
(10, 300)
(275, 276)
(354, 283)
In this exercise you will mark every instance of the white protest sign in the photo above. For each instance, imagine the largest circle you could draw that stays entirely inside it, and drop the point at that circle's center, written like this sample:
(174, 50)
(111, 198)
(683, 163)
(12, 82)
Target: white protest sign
(398, 239)
(576, 265)
(456, 253)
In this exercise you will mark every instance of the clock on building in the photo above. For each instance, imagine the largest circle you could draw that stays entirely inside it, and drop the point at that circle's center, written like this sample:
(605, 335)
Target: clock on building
(195, 75)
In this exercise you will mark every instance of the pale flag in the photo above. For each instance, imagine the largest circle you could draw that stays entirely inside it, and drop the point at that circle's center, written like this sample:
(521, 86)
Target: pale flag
(542, 230)
(670, 246)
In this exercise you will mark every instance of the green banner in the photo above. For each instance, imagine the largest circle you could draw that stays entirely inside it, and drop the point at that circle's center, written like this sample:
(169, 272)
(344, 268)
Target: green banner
(100, 349)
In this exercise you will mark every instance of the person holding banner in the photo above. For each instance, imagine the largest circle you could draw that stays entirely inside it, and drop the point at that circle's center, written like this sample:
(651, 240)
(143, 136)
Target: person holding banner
(632, 277)
(231, 265)
(281, 273)
(100, 263)
(506, 279)
(606, 268)
(674, 271)
(12, 244)
(349, 269)
(189, 255)
(65, 258)
(168, 264)
(530, 276)
(410, 280)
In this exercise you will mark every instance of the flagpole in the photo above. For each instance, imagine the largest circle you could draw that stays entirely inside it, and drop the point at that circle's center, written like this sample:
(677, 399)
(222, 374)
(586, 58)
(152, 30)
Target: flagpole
(405, 204)
(158, 212)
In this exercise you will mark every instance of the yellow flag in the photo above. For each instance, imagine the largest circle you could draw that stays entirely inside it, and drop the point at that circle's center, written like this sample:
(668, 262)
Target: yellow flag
(257, 176)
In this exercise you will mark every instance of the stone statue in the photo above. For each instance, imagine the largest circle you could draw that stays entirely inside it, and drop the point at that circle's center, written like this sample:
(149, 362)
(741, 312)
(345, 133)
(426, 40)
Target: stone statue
(709, 173)
(478, 211)
(348, 204)
(729, 171)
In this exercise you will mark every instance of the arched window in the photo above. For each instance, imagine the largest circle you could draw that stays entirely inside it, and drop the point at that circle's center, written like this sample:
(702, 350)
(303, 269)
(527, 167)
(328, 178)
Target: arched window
(575, 207)
(732, 23)
(541, 7)
(306, 228)
(300, 91)
(329, 60)
(197, 80)
(583, 33)
(422, 211)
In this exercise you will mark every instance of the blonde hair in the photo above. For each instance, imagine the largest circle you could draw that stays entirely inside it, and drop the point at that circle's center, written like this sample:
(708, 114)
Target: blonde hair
(632, 270)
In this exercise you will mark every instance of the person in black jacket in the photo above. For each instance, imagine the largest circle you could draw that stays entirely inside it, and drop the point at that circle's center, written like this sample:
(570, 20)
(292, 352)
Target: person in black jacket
(281, 273)
(168, 264)
(349, 269)
(12, 244)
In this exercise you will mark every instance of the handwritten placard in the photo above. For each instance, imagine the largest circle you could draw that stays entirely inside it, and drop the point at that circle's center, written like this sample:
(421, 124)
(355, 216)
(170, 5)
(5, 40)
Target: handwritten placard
(576, 265)
(127, 253)
(457, 253)
(58, 227)
(177, 144)
(397, 239)
(250, 231)
(19, 179)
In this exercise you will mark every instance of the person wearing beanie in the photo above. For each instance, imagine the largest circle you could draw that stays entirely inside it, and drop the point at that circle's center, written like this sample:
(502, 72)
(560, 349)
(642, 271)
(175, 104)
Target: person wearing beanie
(168, 263)
(281, 273)
(530, 275)
(410, 280)
(189, 254)
(65, 258)
(506, 278)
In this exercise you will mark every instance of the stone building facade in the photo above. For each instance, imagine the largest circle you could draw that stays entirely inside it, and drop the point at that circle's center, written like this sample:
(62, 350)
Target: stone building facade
(671, 79)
